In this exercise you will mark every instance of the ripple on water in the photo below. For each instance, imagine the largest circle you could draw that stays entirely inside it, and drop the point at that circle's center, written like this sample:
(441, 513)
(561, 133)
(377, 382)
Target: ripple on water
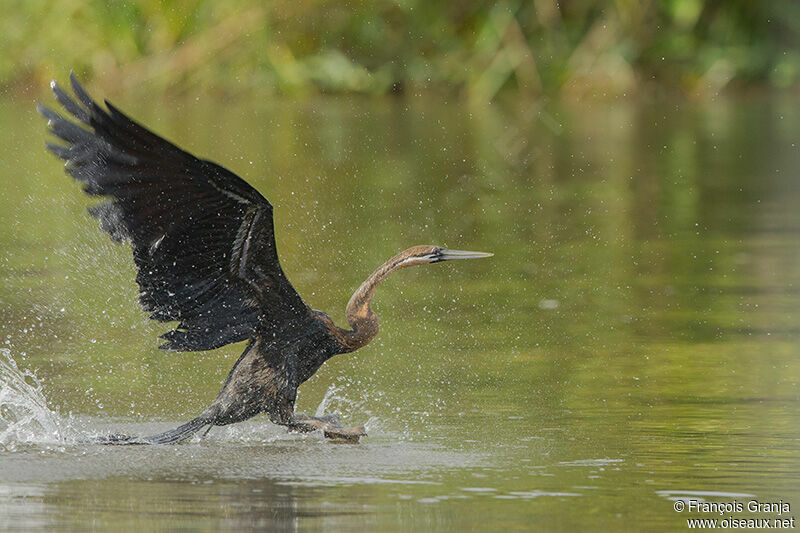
(591, 462)
(676, 495)
(531, 494)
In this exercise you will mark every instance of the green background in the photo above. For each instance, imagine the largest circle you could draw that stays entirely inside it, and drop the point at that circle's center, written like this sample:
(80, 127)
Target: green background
(633, 340)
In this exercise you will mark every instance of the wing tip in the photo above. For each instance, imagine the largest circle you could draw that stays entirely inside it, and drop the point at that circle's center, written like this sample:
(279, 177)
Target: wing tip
(169, 347)
(43, 110)
(82, 95)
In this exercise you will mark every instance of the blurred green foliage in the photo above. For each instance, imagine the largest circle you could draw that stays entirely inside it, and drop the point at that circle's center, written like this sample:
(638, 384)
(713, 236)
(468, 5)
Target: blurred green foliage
(481, 48)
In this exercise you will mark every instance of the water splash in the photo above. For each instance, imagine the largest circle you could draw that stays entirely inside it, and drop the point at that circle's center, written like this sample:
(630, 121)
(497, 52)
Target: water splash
(332, 396)
(336, 400)
(24, 415)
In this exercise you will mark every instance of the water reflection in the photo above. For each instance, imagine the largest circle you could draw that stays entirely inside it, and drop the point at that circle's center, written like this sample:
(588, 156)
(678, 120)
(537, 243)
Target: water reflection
(209, 504)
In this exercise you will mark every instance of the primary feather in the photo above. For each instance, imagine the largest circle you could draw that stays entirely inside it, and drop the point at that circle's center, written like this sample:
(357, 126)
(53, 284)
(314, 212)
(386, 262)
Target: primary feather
(202, 238)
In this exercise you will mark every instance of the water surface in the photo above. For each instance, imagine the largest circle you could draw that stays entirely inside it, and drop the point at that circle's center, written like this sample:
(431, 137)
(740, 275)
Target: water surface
(633, 341)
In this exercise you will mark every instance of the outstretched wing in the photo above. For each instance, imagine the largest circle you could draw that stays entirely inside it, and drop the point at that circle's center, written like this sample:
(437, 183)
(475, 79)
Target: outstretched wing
(202, 238)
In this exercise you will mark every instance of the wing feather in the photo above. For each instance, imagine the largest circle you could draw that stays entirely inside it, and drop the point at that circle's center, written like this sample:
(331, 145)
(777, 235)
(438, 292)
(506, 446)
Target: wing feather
(203, 239)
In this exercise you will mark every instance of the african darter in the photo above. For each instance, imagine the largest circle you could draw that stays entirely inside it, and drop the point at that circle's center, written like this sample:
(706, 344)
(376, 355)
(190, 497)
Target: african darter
(204, 246)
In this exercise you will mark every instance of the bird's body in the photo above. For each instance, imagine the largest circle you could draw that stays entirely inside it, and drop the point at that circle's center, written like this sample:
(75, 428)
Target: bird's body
(203, 243)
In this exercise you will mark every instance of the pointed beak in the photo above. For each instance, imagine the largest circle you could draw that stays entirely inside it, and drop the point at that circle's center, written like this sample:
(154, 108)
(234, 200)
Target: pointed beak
(446, 255)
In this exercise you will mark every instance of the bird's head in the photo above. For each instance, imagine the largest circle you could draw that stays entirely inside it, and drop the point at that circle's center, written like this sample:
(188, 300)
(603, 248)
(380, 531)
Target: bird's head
(360, 316)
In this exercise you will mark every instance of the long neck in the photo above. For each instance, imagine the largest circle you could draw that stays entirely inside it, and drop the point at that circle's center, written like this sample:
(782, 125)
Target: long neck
(359, 314)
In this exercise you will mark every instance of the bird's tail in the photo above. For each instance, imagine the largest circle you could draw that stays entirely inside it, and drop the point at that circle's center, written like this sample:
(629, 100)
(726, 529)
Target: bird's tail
(173, 436)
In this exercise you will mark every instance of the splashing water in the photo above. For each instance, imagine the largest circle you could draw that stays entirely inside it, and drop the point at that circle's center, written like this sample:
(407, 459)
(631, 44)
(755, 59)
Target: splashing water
(337, 401)
(331, 395)
(24, 415)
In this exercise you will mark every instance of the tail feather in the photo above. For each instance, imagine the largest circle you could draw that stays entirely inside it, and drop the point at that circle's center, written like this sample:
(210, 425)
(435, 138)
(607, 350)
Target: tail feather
(173, 436)
(179, 434)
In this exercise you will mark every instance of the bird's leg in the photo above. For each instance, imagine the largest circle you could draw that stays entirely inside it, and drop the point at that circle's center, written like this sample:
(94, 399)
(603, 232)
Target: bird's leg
(329, 424)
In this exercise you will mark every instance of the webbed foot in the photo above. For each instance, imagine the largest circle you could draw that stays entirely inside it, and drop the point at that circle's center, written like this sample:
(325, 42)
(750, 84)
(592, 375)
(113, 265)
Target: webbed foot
(329, 424)
(345, 434)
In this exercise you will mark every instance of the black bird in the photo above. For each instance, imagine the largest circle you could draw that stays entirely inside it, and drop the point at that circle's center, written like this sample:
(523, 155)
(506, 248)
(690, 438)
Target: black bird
(204, 246)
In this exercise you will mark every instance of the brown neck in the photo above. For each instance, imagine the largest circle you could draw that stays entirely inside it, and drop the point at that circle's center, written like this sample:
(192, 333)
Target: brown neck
(359, 315)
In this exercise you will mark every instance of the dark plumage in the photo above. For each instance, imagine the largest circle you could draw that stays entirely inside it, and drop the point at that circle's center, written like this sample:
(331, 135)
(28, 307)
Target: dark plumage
(204, 246)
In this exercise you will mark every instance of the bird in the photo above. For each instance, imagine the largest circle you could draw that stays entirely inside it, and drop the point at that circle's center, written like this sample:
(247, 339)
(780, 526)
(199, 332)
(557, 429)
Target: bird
(203, 243)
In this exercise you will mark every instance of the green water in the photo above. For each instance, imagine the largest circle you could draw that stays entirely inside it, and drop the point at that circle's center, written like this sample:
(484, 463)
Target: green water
(633, 341)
